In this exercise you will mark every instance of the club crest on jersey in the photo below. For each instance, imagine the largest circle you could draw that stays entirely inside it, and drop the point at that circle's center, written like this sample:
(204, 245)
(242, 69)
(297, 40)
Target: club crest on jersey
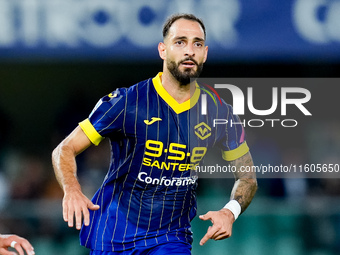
(202, 130)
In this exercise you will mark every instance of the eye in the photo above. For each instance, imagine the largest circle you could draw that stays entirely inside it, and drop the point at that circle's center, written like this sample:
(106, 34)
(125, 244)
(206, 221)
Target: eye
(198, 44)
(179, 42)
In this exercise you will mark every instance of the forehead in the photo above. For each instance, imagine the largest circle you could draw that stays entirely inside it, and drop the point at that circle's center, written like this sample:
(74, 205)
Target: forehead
(187, 28)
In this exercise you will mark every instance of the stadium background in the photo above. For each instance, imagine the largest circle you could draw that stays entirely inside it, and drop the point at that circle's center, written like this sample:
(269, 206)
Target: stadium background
(58, 57)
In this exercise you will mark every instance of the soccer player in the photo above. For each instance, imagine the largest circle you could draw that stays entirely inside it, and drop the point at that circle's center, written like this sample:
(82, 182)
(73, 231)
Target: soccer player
(16, 242)
(158, 136)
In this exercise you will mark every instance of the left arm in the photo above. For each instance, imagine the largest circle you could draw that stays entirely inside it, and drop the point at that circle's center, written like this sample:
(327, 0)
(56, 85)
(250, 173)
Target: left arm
(245, 182)
(243, 192)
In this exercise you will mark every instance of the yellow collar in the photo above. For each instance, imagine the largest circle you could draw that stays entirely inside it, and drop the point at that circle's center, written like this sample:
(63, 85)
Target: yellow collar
(177, 107)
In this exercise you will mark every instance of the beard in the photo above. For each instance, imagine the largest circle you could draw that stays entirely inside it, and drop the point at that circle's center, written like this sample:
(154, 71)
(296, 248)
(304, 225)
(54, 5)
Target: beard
(183, 77)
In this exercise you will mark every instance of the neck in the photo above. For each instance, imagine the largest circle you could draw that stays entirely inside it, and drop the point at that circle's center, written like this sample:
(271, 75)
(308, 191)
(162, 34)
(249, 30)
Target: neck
(179, 92)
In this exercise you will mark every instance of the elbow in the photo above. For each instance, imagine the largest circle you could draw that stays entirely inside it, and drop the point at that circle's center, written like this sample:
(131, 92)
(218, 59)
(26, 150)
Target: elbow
(55, 153)
(62, 149)
(58, 150)
(56, 156)
(254, 184)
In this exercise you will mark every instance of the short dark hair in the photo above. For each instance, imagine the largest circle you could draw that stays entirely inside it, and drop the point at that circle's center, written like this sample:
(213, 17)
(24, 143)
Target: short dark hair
(171, 20)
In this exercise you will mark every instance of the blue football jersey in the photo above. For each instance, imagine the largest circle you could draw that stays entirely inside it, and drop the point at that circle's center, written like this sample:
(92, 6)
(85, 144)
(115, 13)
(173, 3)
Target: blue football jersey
(149, 193)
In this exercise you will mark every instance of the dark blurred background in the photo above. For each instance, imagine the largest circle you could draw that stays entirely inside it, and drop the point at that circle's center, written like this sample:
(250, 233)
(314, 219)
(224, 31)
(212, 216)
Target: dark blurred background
(57, 58)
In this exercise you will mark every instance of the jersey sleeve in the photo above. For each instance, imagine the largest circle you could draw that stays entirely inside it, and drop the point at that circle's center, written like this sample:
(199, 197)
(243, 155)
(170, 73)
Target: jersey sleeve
(232, 137)
(105, 118)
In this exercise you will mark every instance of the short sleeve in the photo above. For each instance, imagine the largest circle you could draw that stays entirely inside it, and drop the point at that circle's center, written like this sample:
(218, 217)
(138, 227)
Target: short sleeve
(91, 132)
(232, 137)
(105, 118)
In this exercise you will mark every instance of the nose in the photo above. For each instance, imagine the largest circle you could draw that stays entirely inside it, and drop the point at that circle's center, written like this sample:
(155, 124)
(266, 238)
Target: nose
(189, 50)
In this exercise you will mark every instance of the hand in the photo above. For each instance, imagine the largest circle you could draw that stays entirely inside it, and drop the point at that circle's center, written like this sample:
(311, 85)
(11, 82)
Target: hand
(222, 221)
(75, 203)
(20, 244)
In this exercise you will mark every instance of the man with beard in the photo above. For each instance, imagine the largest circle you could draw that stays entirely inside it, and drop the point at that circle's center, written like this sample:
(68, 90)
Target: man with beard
(147, 200)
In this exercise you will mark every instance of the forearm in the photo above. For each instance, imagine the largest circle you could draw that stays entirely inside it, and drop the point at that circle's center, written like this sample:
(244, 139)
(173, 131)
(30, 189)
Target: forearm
(64, 159)
(75, 203)
(65, 168)
(243, 192)
(245, 182)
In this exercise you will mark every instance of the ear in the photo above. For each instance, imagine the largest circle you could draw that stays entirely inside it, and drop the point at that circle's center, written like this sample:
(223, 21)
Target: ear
(206, 54)
(162, 50)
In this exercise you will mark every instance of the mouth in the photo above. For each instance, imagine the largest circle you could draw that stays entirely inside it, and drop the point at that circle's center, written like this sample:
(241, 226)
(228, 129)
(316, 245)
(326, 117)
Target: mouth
(188, 63)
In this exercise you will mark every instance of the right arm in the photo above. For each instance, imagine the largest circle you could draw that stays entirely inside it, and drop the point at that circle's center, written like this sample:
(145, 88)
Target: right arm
(75, 203)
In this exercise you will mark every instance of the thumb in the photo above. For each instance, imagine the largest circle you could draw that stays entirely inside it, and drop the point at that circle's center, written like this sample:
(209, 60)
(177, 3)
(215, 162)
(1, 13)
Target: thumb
(205, 216)
(93, 207)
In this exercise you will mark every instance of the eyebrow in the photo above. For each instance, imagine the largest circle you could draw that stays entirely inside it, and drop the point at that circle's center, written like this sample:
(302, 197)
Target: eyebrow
(196, 39)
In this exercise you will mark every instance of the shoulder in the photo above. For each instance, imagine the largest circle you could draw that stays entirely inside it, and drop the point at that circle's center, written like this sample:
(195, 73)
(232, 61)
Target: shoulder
(121, 92)
(213, 100)
(139, 87)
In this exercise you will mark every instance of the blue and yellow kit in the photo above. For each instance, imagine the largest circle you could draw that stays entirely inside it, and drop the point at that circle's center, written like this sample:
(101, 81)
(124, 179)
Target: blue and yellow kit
(148, 196)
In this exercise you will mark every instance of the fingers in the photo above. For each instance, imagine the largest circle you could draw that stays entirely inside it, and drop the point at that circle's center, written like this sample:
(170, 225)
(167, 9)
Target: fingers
(75, 210)
(18, 243)
(6, 252)
(86, 213)
(86, 217)
(27, 247)
(70, 215)
(78, 216)
(19, 249)
(215, 232)
(221, 234)
(65, 212)
(211, 231)
(221, 228)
